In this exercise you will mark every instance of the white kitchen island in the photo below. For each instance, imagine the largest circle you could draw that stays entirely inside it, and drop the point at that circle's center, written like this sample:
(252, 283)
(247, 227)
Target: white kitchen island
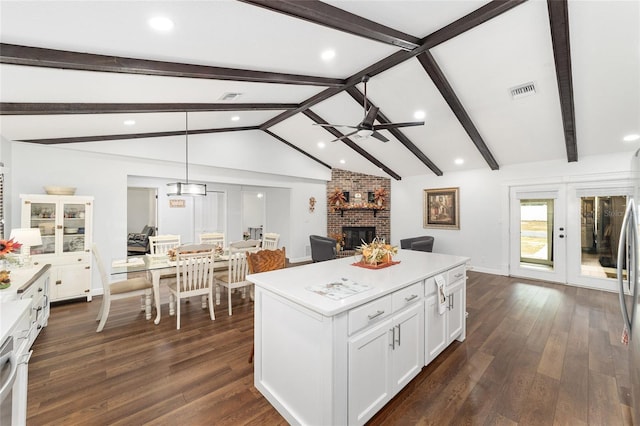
(325, 360)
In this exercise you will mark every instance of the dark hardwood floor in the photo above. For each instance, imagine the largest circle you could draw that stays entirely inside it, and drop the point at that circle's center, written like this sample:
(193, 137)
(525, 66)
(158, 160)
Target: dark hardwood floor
(535, 354)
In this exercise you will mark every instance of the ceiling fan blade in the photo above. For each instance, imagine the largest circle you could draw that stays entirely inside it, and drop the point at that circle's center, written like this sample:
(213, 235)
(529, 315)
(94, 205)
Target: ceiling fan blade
(371, 115)
(345, 136)
(335, 125)
(395, 125)
(379, 136)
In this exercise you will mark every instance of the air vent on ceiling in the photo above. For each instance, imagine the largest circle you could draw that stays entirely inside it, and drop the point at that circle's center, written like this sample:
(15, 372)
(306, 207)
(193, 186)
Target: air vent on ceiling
(523, 90)
(230, 96)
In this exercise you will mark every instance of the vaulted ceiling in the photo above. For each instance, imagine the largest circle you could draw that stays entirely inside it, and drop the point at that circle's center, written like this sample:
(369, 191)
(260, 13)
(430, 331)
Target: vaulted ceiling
(74, 72)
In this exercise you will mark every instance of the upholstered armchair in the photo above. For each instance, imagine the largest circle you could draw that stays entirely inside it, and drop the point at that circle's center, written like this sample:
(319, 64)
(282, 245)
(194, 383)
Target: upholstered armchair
(424, 243)
(138, 242)
(322, 248)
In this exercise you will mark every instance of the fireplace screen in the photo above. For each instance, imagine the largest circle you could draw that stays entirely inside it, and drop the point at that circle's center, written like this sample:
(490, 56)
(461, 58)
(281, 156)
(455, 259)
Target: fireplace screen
(355, 235)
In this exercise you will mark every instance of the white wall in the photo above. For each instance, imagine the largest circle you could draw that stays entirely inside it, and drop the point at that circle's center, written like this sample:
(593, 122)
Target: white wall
(484, 204)
(106, 177)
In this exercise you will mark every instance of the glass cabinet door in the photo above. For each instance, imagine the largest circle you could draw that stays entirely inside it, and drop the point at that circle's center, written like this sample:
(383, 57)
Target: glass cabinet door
(73, 227)
(43, 217)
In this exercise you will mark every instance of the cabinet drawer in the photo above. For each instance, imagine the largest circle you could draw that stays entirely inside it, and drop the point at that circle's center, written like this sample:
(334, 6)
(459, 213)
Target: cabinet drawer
(456, 274)
(368, 314)
(406, 296)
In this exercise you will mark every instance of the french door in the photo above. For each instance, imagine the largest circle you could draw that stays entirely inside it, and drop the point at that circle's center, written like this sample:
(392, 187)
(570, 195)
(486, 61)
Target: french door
(538, 233)
(567, 233)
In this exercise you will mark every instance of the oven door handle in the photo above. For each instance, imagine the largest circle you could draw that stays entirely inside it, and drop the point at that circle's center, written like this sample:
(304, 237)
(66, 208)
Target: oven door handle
(7, 386)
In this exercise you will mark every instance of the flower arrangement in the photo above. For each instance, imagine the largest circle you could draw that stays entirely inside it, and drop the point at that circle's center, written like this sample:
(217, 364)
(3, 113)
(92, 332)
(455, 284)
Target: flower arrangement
(380, 195)
(339, 239)
(337, 198)
(377, 251)
(6, 248)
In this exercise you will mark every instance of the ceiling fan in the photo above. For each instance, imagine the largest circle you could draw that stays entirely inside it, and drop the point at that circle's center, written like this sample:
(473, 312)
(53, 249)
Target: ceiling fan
(366, 127)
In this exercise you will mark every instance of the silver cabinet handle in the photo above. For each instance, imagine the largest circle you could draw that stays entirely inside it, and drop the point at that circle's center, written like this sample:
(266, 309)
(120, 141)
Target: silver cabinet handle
(393, 338)
(376, 315)
(410, 298)
(398, 334)
(458, 275)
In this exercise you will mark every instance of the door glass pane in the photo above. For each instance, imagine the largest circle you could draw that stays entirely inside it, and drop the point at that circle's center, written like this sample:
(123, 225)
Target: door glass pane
(74, 226)
(601, 222)
(43, 217)
(536, 232)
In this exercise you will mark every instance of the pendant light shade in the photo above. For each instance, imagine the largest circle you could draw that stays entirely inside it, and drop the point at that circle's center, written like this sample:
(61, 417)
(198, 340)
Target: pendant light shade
(182, 188)
(186, 188)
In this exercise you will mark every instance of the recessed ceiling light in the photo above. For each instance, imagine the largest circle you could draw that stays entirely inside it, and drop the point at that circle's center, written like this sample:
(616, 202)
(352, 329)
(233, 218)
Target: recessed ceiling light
(129, 122)
(328, 55)
(632, 137)
(342, 162)
(235, 118)
(161, 23)
(458, 161)
(419, 115)
(321, 145)
(260, 195)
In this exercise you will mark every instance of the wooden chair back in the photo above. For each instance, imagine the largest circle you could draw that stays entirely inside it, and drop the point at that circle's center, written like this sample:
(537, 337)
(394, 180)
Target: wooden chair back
(215, 238)
(194, 273)
(267, 260)
(270, 241)
(244, 246)
(161, 244)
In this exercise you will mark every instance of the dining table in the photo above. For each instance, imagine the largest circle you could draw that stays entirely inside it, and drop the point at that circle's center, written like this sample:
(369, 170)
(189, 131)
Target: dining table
(159, 265)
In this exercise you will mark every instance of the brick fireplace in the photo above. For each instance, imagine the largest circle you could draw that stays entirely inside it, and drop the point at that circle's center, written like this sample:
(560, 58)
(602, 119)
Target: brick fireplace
(377, 221)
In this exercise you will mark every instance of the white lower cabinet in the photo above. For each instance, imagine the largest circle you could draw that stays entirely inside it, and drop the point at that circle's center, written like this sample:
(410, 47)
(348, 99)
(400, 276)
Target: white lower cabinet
(435, 330)
(71, 281)
(385, 357)
(321, 361)
(442, 329)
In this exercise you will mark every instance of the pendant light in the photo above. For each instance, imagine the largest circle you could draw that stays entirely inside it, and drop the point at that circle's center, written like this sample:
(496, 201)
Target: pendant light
(186, 188)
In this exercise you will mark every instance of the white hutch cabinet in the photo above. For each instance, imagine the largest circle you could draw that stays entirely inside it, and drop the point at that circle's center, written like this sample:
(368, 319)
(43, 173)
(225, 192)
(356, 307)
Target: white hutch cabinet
(65, 222)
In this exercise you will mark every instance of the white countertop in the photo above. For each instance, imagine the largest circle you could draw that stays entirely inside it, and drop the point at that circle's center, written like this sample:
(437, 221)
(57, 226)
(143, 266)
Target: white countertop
(20, 277)
(10, 312)
(292, 283)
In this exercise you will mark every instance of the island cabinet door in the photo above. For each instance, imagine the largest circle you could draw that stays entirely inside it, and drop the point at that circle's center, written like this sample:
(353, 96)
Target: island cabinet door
(369, 376)
(435, 329)
(407, 346)
(455, 317)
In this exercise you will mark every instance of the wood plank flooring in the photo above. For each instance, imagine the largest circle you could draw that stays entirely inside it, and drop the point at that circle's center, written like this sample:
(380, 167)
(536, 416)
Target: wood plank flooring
(536, 354)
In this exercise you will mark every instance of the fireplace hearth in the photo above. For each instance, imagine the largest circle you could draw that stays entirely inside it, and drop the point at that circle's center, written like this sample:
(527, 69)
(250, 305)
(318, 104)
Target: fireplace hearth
(355, 235)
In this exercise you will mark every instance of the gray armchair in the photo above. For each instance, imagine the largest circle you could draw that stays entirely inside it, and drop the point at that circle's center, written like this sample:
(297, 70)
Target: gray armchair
(138, 242)
(322, 248)
(424, 243)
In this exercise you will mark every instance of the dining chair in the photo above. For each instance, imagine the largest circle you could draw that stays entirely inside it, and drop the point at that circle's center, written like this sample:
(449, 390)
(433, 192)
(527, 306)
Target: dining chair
(216, 238)
(270, 241)
(264, 261)
(244, 246)
(194, 278)
(140, 286)
(161, 244)
(234, 277)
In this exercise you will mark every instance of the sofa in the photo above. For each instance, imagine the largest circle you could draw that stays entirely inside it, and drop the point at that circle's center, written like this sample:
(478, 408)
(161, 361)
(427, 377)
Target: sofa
(424, 243)
(138, 242)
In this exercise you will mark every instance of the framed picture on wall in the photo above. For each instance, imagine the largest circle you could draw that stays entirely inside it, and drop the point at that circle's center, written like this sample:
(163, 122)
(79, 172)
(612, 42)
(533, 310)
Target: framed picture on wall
(441, 208)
